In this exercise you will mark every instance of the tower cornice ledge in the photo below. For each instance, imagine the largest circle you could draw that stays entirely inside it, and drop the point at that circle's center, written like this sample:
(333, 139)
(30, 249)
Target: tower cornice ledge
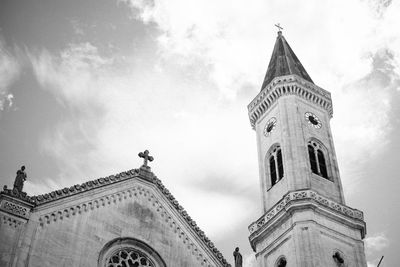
(288, 85)
(301, 200)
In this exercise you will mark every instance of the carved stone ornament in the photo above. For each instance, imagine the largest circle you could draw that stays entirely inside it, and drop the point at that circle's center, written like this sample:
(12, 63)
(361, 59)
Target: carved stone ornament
(14, 208)
(142, 173)
(288, 85)
(16, 194)
(300, 196)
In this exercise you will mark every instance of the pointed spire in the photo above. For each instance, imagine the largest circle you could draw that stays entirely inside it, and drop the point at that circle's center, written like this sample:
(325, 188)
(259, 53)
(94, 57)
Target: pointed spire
(284, 62)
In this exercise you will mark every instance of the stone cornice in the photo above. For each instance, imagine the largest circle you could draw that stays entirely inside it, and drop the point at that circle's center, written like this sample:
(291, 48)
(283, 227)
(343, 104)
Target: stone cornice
(15, 205)
(303, 197)
(144, 173)
(87, 186)
(21, 196)
(288, 85)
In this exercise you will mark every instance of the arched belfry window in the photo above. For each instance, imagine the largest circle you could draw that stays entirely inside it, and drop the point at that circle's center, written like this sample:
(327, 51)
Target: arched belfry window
(318, 159)
(275, 164)
(128, 252)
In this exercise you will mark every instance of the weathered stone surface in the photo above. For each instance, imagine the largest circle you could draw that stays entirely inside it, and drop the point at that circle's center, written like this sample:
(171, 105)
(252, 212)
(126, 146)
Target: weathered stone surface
(71, 227)
(305, 219)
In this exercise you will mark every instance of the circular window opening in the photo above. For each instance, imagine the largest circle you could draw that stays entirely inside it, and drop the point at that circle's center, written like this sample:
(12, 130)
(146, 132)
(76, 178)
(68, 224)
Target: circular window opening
(125, 257)
(129, 252)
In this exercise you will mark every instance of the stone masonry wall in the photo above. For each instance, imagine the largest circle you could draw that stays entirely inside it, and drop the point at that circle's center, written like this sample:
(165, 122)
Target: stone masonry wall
(58, 235)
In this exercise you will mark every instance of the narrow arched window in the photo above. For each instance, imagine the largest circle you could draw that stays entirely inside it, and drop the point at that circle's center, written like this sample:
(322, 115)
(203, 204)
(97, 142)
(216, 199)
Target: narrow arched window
(280, 163)
(313, 159)
(275, 162)
(322, 164)
(272, 169)
(317, 155)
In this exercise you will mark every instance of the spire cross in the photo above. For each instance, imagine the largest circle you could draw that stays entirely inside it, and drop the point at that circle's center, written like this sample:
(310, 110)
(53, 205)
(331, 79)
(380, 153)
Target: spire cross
(279, 26)
(146, 157)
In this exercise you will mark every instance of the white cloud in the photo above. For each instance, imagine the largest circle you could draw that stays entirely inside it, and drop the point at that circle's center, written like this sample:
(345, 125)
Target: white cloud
(232, 208)
(233, 40)
(376, 242)
(119, 106)
(374, 246)
(115, 113)
(375, 262)
(9, 71)
(37, 188)
(249, 260)
(71, 75)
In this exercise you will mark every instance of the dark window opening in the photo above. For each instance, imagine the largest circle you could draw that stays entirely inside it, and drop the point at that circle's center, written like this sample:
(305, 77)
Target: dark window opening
(338, 258)
(280, 164)
(282, 262)
(313, 160)
(322, 164)
(272, 170)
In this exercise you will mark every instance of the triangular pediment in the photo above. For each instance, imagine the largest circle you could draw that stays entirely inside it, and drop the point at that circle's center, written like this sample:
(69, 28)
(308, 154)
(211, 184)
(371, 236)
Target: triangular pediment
(142, 200)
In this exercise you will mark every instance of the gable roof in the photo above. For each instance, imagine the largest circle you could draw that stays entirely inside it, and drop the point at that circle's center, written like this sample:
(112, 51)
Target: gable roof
(145, 173)
(284, 62)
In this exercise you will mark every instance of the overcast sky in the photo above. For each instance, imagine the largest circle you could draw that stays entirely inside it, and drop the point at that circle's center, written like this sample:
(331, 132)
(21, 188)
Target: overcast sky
(86, 85)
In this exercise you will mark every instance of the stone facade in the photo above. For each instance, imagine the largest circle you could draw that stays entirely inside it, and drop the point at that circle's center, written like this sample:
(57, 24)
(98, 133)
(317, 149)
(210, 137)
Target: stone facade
(130, 215)
(305, 220)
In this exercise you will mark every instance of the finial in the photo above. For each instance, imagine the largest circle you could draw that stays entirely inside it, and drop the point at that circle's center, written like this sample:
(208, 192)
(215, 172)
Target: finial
(146, 157)
(278, 25)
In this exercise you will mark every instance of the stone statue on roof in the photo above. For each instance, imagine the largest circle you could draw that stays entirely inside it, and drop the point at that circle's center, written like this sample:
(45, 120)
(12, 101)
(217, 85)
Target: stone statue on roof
(20, 179)
(238, 258)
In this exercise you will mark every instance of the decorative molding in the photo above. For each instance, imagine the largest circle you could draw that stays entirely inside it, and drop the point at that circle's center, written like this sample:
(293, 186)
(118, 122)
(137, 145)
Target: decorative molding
(302, 195)
(10, 221)
(288, 85)
(80, 188)
(14, 208)
(15, 194)
(143, 173)
(138, 191)
(110, 199)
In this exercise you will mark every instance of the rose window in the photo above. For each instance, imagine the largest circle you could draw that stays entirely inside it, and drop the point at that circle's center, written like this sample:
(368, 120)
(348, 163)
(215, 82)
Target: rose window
(128, 257)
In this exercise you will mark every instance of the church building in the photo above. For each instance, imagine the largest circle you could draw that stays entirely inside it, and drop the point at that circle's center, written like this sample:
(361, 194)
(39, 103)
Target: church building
(131, 219)
(123, 220)
(305, 219)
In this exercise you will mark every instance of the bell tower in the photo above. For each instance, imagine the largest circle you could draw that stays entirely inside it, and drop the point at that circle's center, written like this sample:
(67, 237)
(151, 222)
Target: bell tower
(305, 221)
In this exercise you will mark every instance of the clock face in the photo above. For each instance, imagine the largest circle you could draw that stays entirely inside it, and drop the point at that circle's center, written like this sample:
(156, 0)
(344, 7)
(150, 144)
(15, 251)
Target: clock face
(313, 120)
(270, 126)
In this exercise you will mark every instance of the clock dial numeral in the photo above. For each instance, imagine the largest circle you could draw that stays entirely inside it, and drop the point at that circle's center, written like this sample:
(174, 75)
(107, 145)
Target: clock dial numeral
(270, 126)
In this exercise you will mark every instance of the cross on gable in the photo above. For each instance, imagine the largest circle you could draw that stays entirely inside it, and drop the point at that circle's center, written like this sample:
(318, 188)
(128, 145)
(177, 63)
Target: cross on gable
(146, 157)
